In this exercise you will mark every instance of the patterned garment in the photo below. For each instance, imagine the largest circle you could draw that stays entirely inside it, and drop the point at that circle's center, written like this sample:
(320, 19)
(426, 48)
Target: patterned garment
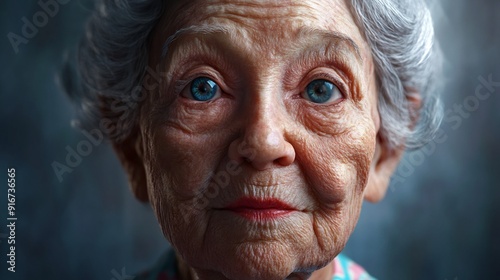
(346, 269)
(166, 269)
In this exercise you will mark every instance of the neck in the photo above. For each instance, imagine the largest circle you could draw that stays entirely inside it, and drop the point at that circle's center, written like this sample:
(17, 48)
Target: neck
(188, 273)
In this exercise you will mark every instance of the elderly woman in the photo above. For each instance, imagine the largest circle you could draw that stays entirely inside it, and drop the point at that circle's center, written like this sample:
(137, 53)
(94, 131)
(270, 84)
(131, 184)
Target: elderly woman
(255, 129)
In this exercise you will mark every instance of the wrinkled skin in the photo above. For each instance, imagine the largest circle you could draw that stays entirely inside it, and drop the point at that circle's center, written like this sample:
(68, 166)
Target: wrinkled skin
(261, 133)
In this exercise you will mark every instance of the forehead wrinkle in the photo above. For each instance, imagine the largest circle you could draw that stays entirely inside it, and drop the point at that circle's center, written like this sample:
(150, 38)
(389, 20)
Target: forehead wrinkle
(258, 11)
(271, 18)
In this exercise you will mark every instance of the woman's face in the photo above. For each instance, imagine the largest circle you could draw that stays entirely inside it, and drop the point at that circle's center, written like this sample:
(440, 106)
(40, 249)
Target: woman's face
(259, 143)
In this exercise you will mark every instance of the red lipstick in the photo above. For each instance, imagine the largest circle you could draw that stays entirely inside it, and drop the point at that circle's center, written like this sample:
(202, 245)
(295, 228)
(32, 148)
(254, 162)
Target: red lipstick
(260, 209)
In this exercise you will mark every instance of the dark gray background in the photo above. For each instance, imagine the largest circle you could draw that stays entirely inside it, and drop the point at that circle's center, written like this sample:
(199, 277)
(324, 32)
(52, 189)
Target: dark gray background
(441, 222)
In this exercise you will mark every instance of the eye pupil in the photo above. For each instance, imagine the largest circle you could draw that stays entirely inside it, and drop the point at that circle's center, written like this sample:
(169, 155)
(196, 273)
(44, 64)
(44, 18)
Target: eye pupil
(320, 91)
(203, 89)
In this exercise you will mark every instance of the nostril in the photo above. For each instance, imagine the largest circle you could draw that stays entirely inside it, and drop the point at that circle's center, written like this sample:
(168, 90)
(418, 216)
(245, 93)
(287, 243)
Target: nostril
(267, 156)
(262, 146)
(288, 155)
(284, 161)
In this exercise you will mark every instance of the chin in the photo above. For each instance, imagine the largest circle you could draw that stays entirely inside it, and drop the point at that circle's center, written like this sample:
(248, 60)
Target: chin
(250, 261)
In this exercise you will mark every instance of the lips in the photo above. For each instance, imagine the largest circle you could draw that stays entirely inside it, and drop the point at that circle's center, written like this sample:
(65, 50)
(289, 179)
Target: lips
(260, 209)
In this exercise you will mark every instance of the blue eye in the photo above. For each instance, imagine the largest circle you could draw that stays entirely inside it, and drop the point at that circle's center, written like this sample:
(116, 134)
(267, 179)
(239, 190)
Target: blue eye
(203, 89)
(322, 91)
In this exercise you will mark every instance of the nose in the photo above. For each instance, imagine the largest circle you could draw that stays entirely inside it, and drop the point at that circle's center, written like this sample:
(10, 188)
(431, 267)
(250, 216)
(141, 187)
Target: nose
(262, 141)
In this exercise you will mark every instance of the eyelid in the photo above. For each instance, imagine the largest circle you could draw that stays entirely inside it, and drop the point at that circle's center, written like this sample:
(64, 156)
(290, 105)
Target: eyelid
(185, 91)
(320, 74)
(197, 63)
(180, 84)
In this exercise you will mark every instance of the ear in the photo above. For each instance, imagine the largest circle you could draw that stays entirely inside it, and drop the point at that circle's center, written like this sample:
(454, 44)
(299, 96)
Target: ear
(130, 153)
(386, 159)
(385, 162)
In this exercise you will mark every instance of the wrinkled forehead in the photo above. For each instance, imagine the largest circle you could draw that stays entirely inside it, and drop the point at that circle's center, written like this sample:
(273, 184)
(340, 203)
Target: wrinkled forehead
(271, 25)
(261, 14)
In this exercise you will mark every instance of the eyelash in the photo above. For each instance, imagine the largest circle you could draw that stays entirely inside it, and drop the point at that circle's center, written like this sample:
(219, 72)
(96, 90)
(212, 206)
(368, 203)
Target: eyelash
(181, 84)
(324, 76)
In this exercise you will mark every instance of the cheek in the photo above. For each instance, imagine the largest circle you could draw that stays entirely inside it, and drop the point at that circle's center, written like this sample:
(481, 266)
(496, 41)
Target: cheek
(183, 149)
(186, 146)
(337, 168)
(337, 153)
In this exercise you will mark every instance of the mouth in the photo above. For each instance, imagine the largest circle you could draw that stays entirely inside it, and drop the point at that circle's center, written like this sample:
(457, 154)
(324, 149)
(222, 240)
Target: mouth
(260, 209)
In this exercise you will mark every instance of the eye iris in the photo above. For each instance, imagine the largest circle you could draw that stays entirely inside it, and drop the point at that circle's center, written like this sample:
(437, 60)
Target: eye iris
(203, 89)
(320, 91)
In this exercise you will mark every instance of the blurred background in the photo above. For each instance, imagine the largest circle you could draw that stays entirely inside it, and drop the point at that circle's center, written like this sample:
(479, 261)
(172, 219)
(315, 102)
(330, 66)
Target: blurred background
(440, 219)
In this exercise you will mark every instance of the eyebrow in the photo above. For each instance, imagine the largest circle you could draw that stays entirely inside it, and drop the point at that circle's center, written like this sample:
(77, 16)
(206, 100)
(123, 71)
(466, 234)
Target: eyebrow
(337, 38)
(308, 32)
(194, 30)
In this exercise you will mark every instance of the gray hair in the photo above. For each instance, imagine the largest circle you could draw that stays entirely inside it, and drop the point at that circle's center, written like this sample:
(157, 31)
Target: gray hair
(113, 59)
(407, 61)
